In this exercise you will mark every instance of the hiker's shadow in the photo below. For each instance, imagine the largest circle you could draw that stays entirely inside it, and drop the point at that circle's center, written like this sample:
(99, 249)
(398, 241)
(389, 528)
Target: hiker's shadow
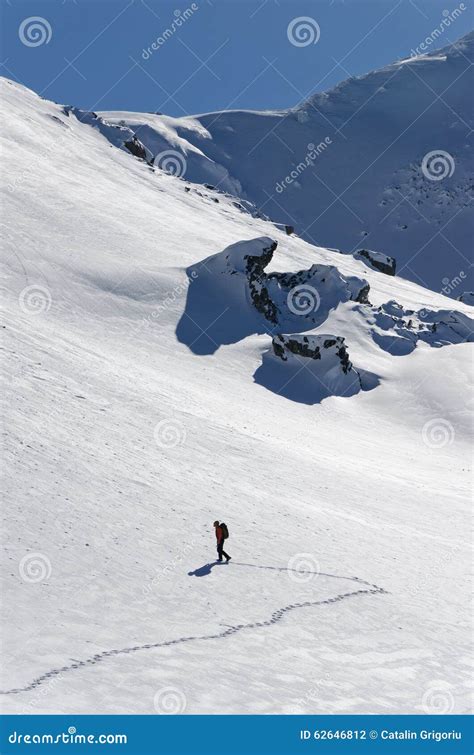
(203, 571)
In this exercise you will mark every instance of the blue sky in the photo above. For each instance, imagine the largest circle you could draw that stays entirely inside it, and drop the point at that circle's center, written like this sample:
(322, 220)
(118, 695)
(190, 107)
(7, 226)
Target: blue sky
(225, 54)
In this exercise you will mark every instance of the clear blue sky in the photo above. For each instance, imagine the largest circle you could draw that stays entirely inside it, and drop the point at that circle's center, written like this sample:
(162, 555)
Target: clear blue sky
(227, 54)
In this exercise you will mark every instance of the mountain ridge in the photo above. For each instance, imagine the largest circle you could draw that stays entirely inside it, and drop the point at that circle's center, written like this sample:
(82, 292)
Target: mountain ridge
(370, 187)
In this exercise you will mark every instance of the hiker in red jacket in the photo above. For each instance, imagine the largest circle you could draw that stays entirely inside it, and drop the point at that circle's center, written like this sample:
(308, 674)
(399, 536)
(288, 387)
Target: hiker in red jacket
(222, 533)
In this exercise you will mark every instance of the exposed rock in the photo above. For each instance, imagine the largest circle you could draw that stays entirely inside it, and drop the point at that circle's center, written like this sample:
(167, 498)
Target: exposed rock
(363, 295)
(118, 136)
(257, 278)
(377, 261)
(308, 368)
(467, 297)
(136, 148)
(305, 297)
(311, 347)
(58, 120)
(406, 328)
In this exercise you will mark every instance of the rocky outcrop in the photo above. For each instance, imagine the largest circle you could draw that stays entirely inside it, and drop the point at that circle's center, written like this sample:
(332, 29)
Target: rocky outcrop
(406, 327)
(259, 294)
(467, 297)
(309, 368)
(312, 347)
(377, 261)
(304, 297)
(119, 136)
(135, 146)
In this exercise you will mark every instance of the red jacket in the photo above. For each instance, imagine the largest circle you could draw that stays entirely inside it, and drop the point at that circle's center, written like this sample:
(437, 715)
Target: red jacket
(219, 534)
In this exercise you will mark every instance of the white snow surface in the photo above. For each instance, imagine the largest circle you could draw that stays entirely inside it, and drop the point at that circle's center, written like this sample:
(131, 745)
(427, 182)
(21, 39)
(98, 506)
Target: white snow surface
(345, 167)
(348, 589)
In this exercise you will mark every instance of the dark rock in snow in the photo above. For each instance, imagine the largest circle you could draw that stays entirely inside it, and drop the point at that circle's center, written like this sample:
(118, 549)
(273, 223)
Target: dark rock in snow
(377, 261)
(467, 297)
(405, 328)
(233, 289)
(309, 368)
(312, 347)
(136, 148)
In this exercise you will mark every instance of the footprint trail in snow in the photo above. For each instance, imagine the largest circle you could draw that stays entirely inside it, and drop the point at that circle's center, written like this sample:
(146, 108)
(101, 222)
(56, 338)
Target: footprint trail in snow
(275, 617)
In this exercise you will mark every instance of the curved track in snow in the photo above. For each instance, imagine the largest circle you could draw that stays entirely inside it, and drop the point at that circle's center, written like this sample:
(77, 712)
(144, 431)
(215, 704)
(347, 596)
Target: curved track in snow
(275, 617)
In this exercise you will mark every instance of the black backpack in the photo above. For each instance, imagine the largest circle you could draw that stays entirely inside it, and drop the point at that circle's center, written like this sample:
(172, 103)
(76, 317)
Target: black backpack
(225, 531)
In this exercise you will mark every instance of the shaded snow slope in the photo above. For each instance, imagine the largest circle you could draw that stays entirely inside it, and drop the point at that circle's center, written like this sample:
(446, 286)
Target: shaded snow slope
(345, 167)
(348, 516)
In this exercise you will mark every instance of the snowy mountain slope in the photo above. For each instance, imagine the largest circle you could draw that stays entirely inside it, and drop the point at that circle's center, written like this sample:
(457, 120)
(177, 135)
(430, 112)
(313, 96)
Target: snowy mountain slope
(345, 167)
(123, 443)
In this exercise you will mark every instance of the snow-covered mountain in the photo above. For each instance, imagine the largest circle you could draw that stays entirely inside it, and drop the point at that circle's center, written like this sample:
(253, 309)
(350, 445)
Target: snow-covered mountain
(174, 358)
(382, 161)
